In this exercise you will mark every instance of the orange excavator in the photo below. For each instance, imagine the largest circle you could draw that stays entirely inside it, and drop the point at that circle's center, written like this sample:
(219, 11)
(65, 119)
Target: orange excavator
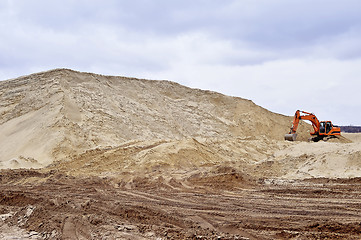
(320, 129)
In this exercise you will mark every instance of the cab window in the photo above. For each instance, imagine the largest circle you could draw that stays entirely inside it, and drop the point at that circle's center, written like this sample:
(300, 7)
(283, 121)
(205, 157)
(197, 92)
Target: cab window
(322, 127)
(328, 127)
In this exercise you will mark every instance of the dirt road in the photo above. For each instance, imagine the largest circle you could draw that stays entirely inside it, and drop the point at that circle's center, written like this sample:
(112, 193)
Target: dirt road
(54, 206)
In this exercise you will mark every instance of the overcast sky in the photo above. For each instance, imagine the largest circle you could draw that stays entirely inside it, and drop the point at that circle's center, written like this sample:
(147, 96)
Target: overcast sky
(284, 55)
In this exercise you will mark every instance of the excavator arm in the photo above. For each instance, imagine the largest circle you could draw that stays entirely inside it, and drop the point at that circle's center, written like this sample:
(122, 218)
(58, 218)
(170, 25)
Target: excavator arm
(295, 123)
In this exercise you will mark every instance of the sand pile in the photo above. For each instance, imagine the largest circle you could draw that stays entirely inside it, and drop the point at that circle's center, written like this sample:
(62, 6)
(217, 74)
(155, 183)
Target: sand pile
(52, 115)
(314, 159)
(89, 124)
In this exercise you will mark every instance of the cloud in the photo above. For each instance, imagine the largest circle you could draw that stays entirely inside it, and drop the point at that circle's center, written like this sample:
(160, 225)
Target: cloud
(323, 86)
(282, 54)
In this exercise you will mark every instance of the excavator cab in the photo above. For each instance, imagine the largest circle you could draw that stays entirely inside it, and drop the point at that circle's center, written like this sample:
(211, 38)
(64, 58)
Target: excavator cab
(326, 128)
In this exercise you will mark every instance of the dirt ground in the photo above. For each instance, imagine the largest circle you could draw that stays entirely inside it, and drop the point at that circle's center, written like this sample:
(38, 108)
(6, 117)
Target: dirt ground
(229, 205)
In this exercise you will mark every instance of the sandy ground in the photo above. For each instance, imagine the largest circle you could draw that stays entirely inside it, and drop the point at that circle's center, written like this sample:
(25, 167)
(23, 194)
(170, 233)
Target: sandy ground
(316, 159)
(257, 157)
(101, 157)
(226, 205)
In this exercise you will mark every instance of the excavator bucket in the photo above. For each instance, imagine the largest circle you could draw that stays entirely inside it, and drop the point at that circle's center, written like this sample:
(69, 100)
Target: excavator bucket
(291, 137)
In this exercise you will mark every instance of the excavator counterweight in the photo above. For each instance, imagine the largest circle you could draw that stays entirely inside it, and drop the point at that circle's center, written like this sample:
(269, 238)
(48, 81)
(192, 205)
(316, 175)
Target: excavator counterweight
(320, 129)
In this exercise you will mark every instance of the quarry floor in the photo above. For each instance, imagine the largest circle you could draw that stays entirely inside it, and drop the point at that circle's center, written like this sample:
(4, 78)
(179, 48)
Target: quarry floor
(49, 205)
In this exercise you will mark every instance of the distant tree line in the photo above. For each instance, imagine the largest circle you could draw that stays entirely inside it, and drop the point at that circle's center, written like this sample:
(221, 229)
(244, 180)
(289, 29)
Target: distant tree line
(351, 129)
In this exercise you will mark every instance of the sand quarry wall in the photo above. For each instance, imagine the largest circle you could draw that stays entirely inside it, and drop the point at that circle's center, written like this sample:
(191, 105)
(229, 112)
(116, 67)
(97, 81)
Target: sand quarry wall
(86, 123)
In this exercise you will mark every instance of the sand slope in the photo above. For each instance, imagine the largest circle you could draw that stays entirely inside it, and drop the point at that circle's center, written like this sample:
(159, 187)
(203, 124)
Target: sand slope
(314, 160)
(89, 124)
(51, 115)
